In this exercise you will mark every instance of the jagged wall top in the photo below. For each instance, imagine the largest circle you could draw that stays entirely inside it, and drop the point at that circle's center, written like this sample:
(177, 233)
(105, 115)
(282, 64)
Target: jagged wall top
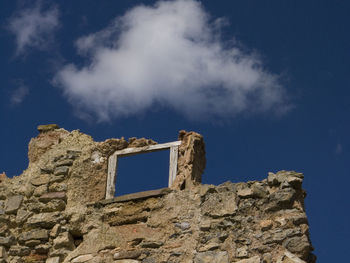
(55, 211)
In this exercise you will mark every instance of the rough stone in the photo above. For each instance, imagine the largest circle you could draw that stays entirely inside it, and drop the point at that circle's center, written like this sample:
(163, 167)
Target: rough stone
(52, 195)
(290, 258)
(212, 245)
(298, 245)
(22, 216)
(57, 178)
(255, 259)
(289, 178)
(40, 180)
(42, 248)
(44, 142)
(61, 170)
(211, 257)
(32, 243)
(64, 240)
(3, 177)
(132, 254)
(55, 230)
(183, 225)
(245, 193)
(82, 258)
(242, 252)
(266, 225)
(47, 127)
(259, 190)
(19, 251)
(54, 205)
(127, 261)
(219, 205)
(281, 199)
(66, 162)
(40, 190)
(39, 234)
(7, 241)
(53, 260)
(58, 187)
(151, 244)
(13, 203)
(267, 258)
(44, 220)
(3, 253)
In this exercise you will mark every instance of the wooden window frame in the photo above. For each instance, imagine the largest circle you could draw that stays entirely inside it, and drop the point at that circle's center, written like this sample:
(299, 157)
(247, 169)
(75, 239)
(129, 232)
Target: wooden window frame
(113, 162)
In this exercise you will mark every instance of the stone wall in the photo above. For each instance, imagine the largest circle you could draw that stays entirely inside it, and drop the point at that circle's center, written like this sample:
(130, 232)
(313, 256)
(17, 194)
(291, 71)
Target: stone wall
(55, 211)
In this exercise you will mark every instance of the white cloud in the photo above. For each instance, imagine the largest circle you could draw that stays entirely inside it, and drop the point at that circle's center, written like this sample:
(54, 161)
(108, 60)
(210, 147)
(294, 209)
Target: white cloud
(169, 54)
(19, 94)
(33, 27)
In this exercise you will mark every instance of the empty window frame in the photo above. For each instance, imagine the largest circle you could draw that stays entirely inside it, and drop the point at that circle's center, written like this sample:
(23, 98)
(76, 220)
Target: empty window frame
(113, 162)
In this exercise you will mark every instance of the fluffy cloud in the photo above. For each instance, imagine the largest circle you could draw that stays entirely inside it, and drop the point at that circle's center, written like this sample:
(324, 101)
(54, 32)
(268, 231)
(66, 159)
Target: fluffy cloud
(19, 94)
(33, 27)
(171, 55)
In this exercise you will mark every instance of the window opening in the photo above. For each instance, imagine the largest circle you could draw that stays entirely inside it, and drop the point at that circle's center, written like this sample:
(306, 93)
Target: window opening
(142, 172)
(112, 177)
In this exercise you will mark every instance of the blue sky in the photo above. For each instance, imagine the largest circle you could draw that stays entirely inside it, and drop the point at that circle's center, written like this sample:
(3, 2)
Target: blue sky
(265, 83)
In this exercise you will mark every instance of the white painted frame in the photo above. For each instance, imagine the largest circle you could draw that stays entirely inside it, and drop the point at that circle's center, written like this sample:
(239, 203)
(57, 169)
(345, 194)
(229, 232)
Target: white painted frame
(113, 162)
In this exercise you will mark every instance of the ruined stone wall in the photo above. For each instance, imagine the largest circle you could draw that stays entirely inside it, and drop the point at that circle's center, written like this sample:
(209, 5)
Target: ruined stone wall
(55, 211)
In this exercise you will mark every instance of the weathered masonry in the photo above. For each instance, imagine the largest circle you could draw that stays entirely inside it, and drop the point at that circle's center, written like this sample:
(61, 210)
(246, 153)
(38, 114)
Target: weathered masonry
(63, 209)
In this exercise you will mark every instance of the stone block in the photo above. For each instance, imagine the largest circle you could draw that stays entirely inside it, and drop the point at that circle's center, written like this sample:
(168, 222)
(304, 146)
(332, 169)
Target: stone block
(7, 241)
(3, 253)
(45, 220)
(19, 251)
(64, 240)
(55, 231)
(40, 190)
(67, 162)
(38, 234)
(53, 195)
(132, 254)
(151, 244)
(40, 180)
(127, 261)
(57, 178)
(266, 224)
(53, 206)
(22, 216)
(211, 257)
(183, 225)
(53, 260)
(32, 243)
(82, 258)
(281, 199)
(13, 203)
(58, 187)
(242, 252)
(255, 259)
(290, 258)
(220, 204)
(298, 245)
(47, 127)
(61, 170)
(42, 249)
(245, 193)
